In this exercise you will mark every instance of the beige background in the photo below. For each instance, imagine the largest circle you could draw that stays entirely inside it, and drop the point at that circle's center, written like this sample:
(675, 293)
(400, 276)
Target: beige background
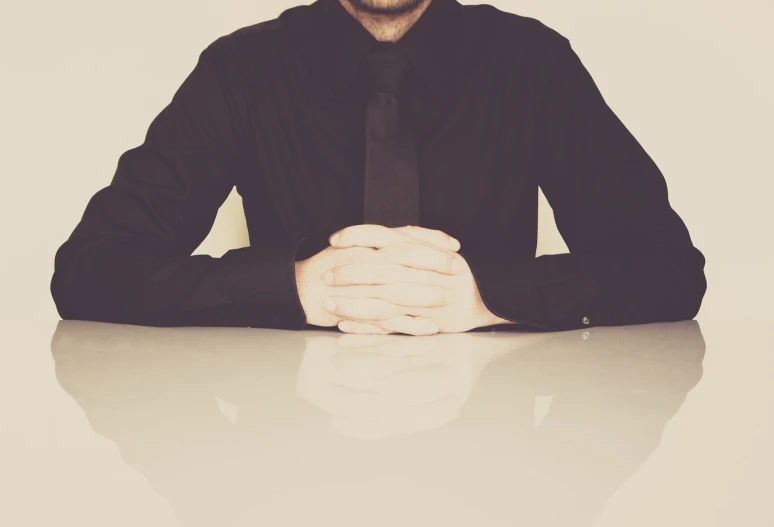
(82, 80)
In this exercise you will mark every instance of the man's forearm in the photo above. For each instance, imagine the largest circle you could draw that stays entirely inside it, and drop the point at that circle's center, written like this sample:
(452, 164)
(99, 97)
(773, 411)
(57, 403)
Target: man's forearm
(129, 283)
(573, 291)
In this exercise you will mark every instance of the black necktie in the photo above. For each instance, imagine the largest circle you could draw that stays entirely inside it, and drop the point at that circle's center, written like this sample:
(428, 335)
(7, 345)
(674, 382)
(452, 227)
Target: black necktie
(391, 195)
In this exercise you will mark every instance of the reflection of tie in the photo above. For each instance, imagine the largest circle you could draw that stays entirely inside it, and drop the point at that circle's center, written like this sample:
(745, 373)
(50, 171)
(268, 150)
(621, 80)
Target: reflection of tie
(391, 195)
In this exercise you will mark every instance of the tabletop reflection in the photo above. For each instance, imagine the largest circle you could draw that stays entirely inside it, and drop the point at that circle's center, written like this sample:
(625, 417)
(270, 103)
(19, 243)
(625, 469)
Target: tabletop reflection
(234, 426)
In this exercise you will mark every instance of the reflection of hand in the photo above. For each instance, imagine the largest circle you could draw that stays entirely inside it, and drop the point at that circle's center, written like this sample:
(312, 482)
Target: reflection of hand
(377, 386)
(419, 277)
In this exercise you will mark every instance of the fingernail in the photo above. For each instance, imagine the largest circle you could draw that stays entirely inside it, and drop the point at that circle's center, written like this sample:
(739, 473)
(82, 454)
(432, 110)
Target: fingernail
(456, 266)
(455, 244)
(329, 304)
(448, 297)
(334, 239)
(328, 277)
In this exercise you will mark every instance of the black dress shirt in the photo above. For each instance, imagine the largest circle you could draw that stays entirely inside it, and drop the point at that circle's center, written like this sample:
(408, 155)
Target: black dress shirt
(502, 105)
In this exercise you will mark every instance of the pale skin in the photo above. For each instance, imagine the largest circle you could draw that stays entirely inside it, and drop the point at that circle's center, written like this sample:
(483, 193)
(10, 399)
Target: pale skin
(386, 20)
(378, 280)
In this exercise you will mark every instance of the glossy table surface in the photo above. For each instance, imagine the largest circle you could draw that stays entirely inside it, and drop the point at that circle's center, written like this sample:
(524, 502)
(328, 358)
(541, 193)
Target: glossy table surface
(652, 425)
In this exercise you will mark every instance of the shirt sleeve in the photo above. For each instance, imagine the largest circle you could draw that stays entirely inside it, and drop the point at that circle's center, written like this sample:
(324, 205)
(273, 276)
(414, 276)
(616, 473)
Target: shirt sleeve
(631, 259)
(129, 259)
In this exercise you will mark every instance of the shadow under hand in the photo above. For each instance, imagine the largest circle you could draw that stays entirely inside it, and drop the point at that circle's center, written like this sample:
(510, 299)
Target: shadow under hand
(541, 428)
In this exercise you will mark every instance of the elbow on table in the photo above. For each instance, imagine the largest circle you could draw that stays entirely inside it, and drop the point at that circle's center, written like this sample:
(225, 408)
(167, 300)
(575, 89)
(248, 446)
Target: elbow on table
(76, 290)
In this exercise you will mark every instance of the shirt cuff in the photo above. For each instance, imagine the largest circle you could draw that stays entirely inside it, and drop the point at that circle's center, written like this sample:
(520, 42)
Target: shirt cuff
(261, 281)
(548, 292)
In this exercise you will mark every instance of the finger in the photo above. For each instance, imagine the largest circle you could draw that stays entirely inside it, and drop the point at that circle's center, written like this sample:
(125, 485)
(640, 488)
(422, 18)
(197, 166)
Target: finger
(418, 326)
(361, 309)
(378, 236)
(417, 311)
(431, 236)
(378, 273)
(416, 295)
(362, 328)
(414, 255)
(366, 235)
(400, 294)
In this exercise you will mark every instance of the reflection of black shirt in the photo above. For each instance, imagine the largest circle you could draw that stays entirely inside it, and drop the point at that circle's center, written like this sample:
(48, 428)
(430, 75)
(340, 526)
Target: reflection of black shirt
(502, 105)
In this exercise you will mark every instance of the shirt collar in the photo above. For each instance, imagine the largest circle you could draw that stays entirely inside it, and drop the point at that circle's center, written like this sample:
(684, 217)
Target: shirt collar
(430, 44)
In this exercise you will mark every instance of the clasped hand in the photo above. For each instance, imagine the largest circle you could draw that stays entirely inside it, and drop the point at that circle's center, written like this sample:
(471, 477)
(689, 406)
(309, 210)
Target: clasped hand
(374, 279)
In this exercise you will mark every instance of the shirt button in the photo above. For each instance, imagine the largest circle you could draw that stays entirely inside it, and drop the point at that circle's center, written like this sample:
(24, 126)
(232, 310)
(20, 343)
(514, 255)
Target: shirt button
(586, 321)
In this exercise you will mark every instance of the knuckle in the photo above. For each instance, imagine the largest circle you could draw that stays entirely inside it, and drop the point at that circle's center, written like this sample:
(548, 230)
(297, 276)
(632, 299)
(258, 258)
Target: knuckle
(440, 296)
(410, 234)
(448, 263)
(456, 262)
(339, 275)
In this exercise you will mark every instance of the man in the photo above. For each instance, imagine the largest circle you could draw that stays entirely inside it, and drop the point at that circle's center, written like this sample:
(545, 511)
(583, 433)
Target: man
(388, 153)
